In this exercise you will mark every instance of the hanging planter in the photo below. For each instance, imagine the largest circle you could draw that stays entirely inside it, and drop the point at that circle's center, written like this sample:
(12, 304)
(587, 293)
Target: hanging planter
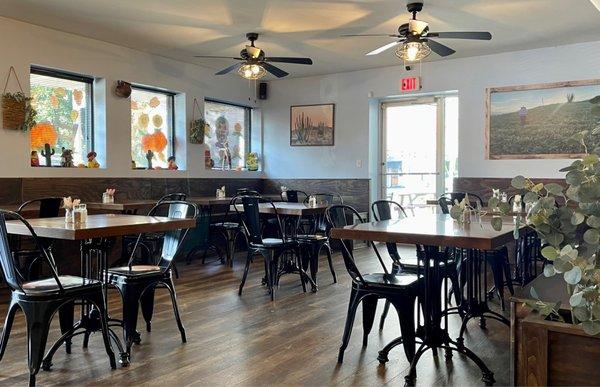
(198, 126)
(17, 112)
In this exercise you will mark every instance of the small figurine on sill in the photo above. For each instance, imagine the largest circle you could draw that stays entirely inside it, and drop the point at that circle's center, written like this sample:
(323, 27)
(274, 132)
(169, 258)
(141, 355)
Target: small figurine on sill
(35, 159)
(172, 163)
(149, 157)
(66, 158)
(92, 163)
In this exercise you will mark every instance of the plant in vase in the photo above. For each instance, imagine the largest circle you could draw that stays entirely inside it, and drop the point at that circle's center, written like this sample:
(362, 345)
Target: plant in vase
(568, 222)
(252, 161)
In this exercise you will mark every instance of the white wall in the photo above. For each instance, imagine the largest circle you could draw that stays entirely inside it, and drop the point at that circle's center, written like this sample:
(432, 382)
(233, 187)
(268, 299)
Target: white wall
(470, 76)
(25, 44)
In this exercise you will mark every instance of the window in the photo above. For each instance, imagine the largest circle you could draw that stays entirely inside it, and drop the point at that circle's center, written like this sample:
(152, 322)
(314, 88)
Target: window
(229, 137)
(63, 102)
(152, 128)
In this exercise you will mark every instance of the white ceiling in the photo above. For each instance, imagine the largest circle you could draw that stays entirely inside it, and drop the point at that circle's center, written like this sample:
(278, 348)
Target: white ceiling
(182, 28)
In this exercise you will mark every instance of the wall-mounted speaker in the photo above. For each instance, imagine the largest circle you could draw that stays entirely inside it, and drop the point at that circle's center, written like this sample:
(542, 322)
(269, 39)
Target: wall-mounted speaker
(262, 90)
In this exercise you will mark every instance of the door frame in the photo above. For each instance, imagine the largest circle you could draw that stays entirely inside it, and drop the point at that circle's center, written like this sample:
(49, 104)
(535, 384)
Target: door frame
(437, 99)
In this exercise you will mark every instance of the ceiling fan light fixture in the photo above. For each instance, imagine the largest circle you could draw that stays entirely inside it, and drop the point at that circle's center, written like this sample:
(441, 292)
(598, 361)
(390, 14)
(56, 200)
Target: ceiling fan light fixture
(413, 51)
(252, 71)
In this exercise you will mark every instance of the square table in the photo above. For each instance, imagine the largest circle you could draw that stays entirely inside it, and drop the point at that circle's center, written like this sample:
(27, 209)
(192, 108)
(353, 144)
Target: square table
(434, 232)
(92, 236)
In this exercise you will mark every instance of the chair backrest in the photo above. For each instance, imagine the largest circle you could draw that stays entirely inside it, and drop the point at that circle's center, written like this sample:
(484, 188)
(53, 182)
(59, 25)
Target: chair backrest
(175, 196)
(12, 275)
(173, 239)
(338, 216)
(387, 210)
(329, 199)
(49, 207)
(246, 192)
(251, 217)
(447, 200)
(293, 196)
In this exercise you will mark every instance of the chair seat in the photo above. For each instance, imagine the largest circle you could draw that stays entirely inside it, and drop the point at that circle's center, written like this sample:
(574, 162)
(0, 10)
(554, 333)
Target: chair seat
(136, 270)
(412, 263)
(49, 285)
(274, 242)
(227, 225)
(391, 280)
(310, 237)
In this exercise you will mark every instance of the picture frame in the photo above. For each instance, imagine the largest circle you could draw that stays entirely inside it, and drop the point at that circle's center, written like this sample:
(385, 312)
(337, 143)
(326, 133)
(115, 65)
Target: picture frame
(312, 125)
(536, 121)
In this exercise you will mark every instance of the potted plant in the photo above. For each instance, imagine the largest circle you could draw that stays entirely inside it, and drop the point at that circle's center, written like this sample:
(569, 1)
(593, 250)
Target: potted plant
(567, 220)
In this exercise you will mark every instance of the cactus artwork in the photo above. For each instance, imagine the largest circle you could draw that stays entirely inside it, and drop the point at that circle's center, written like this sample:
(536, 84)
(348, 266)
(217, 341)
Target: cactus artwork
(312, 125)
(570, 97)
(47, 153)
(149, 157)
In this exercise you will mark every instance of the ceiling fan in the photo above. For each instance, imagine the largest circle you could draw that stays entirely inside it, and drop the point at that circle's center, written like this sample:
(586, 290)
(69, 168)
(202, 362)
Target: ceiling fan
(415, 38)
(255, 64)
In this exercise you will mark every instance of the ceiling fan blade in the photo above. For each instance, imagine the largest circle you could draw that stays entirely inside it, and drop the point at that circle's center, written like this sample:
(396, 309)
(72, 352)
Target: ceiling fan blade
(370, 35)
(305, 61)
(279, 73)
(439, 48)
(383, 48)
(216, 57)
(462, 35)
(230, 69)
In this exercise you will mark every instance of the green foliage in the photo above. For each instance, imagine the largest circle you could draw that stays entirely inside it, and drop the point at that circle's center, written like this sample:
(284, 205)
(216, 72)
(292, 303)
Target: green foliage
(568, 222)
(30, 112)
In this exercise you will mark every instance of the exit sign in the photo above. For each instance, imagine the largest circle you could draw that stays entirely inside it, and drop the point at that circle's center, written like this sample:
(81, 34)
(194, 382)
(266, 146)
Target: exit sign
(410, 83)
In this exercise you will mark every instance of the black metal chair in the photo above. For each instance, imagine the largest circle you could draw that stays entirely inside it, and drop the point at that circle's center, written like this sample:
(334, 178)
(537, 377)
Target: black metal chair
(271, 249)
(41, 299)
(497, 259)
(230, 227)
(400, 289)
(527, 253)
(313, 235)
(26, 256)
(388, 210)
(293, 196)
(447, 200)
(137, 283)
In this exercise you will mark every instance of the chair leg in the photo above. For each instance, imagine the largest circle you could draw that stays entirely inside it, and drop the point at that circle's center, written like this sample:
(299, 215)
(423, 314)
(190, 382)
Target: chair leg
(246, 269)
(66, 315)
(352, 306)
(171, 288)
(330, 261)
(38, 316)
(405, 306)
(369, 307)
(10, 316)
(507, 271)
(498, 274)
(384, 314)
(453, 276)
(131, 296)
(313, 260)
(147, 305)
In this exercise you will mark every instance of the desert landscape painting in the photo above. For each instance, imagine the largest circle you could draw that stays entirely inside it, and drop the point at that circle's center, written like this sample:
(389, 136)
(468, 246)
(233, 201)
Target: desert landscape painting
(312, 125)
(536, 121)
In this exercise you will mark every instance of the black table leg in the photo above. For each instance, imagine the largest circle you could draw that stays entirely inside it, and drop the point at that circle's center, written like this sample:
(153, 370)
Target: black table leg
(94, 264)
(435, 333)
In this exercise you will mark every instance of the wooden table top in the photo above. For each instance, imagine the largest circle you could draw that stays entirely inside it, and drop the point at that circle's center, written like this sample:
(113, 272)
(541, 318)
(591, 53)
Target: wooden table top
(288, 209)
(432, 230)
(98, 226)
(214, 201)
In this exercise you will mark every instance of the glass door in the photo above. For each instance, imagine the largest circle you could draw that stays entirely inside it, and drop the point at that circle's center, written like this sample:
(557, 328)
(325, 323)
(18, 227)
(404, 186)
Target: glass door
(414, 166)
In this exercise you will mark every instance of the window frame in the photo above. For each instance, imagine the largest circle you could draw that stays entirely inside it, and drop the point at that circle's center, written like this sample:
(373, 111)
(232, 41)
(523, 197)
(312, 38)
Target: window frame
(248, 116)
(62, 74)
(171, 95)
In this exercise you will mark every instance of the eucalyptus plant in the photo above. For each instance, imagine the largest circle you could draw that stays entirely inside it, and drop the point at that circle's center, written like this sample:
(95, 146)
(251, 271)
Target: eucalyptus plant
(568, 222)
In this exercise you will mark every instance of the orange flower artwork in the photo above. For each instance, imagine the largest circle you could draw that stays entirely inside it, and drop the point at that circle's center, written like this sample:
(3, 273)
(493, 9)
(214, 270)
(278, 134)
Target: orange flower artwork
(154, 102)
(156, 142)
(41, 134)
(78, 96)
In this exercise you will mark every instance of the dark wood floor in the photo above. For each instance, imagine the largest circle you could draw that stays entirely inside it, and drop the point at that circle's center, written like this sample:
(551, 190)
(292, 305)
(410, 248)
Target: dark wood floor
(252, 341)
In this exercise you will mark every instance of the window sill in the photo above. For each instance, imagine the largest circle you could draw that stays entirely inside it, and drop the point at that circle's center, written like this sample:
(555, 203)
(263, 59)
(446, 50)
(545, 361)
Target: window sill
(59, 167)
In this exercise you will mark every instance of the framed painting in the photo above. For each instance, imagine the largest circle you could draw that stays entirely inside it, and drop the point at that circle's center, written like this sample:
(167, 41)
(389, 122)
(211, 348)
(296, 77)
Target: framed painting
(312, 125)
(537, 121)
